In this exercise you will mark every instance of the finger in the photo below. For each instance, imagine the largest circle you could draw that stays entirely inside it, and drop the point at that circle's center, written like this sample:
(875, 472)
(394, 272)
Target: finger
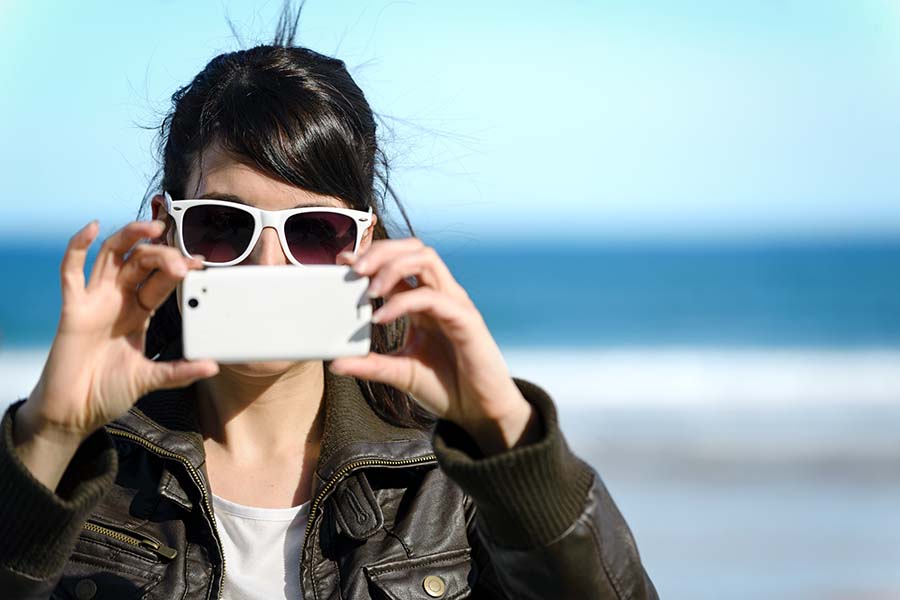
(159, 285)
(401, 286)
(428, 264)
(381, 251)
(72, 265)
(178, 373)
(106, 266)
(423, 264)
(454, 318)
(396, 371)
(147, 257)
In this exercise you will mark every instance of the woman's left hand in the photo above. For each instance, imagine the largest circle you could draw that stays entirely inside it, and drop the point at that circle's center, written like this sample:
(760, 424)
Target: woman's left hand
(449, 363)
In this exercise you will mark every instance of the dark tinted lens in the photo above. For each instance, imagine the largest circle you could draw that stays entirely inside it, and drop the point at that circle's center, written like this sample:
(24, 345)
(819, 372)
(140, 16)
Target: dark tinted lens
(316, 238)
(220, 233)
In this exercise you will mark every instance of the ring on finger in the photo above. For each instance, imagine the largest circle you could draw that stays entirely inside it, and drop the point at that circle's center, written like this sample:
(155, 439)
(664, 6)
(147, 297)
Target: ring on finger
(137, 298)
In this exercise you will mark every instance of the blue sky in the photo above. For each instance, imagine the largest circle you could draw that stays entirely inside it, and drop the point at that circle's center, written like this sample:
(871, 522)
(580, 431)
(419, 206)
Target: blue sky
(520, 119)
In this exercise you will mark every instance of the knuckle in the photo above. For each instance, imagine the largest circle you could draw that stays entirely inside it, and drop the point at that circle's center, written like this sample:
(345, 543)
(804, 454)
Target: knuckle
(428, 294)
(68, 279)
(111, 240)
(171, 251)
(180, 264)
(152, 261)
(143, 257)
(163, 264)
(159, 256)
(139, 251)
(391, 271)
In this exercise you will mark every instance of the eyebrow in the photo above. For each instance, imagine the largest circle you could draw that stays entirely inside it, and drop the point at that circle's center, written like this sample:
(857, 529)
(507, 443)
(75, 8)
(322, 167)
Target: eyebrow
(239, 200)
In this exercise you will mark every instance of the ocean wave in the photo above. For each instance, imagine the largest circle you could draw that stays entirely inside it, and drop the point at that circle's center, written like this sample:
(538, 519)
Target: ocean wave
(688, 413)
(19, 372)
(704, 377)
(653, 377)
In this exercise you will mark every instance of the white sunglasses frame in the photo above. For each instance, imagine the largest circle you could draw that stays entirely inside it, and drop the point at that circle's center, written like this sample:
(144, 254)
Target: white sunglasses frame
(261, 219)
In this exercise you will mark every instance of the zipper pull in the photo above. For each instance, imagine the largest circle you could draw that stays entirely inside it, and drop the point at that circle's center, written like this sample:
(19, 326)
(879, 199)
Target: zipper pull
(161, 549)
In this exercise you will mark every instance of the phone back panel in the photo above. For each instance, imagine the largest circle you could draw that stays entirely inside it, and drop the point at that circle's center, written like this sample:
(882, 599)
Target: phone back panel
(268, 312)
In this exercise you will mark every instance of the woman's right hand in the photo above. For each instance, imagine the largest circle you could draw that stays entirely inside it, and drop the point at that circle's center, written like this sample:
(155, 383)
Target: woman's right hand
(96, 369)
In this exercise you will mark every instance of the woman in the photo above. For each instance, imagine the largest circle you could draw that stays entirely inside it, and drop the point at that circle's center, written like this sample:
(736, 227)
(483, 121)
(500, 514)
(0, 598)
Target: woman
(131, 472)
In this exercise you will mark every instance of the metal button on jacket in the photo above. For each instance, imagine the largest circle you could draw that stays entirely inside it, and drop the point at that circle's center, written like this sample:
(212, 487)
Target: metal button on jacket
(434, 586)
(85, 589)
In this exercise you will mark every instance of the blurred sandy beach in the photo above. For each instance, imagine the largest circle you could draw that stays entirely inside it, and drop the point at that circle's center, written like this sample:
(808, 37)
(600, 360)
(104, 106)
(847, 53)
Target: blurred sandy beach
(743, 474)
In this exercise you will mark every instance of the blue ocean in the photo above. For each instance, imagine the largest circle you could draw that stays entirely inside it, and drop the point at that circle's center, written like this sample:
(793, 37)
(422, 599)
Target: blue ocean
(740, 400)
(837, 295)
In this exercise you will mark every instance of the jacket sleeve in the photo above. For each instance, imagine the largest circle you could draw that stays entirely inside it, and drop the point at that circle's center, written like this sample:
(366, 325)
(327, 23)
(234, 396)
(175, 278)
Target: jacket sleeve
(543, 517)
(39, 526)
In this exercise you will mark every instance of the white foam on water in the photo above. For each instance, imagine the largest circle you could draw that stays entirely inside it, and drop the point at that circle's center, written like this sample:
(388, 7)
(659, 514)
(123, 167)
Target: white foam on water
(19, 372)
(652, 377)
(709, 377)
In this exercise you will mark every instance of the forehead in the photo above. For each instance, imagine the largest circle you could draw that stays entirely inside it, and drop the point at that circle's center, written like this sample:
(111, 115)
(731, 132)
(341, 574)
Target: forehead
(223, 177)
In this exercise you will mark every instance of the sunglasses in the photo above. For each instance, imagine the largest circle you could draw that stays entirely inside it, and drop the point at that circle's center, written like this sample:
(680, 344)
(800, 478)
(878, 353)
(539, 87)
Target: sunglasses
(226, 232)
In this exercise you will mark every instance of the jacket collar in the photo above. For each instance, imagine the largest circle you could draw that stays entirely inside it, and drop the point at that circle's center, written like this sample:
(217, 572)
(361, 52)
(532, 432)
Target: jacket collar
(352, 430)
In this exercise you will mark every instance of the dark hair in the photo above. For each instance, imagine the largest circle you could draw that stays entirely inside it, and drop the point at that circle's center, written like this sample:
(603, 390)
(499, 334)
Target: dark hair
(297, 116)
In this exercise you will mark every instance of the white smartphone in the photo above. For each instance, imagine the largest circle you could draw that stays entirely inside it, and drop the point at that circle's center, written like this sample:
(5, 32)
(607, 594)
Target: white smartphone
(275, 312)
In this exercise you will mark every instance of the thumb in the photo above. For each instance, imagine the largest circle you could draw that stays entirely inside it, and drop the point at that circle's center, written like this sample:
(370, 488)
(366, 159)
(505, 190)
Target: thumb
(396, 371)
(179, 373)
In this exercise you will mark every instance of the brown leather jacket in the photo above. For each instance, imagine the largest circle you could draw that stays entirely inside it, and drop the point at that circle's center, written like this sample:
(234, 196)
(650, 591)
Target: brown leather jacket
(396, 513)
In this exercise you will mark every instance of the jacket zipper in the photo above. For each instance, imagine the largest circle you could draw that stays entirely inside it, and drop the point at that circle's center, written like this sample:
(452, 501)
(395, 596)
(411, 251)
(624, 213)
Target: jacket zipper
(197, 480)
(135, 539)
(338, 476)
(313, 507)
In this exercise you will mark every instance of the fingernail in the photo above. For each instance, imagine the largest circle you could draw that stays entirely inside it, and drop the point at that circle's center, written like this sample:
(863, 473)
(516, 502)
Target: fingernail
(360, 265)
(374, 290)
(377, 316)
(348, 256)
(159, 224)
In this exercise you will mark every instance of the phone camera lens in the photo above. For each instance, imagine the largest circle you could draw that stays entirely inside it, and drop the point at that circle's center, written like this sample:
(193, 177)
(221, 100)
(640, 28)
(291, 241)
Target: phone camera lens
(193, 303)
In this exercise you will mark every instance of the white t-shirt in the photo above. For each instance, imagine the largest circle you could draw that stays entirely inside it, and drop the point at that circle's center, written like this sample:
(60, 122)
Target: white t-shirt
(262, 549)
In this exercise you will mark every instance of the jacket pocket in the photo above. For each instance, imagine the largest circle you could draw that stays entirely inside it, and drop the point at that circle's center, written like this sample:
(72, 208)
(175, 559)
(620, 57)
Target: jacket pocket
(138, 543)
(109, 561)
(446, 575)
